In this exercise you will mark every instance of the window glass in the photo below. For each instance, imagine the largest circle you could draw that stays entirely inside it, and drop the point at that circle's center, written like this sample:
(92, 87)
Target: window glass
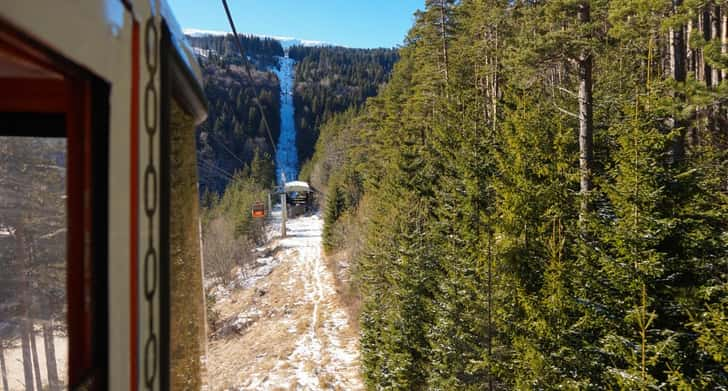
(33, 342)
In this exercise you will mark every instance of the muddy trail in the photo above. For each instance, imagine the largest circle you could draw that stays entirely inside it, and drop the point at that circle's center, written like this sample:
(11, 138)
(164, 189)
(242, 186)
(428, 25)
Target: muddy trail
(282, 326)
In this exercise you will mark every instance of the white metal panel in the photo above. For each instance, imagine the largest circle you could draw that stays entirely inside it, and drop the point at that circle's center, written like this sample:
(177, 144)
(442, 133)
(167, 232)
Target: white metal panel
(149, 197)
(84, 31)
(119, 212)
(295, 186)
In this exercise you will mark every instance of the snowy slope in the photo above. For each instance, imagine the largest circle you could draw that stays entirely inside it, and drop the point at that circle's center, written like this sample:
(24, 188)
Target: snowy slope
(286, 152)
(292, 332)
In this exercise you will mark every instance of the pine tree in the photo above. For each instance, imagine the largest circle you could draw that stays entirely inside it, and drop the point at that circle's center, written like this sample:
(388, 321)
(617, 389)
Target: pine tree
(261, 169)
(637, 263)
(335, 205)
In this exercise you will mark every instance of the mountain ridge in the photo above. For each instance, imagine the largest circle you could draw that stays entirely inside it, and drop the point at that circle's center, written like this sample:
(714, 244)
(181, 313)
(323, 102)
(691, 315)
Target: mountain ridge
(285, 41)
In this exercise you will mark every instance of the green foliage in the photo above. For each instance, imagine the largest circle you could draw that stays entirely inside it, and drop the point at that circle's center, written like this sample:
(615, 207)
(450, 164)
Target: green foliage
(223, 50)
(235, 206)
(335, 206)
(479, 269)
(330, 80)
(262, 170)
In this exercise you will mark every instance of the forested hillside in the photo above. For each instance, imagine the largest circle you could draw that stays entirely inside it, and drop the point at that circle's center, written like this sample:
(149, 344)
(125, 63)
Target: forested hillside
(223, 48)
(538, 199)
(329, 80)
(234, 131)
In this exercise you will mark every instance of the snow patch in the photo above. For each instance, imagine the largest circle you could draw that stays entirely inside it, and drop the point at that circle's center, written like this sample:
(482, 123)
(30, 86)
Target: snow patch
(285, 41)
(298, 304)
(204, 33)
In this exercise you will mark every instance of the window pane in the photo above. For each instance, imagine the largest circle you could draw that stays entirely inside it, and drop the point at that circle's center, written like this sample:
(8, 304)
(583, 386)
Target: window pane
(33, 342)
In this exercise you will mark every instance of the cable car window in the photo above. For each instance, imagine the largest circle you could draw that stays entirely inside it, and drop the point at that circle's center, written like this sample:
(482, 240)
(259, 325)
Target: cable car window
(33, 339)
(53, 219)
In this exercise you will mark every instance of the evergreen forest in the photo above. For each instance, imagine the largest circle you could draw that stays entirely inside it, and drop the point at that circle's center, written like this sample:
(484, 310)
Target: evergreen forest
(330, 80)
(538, 198)
(235, 131)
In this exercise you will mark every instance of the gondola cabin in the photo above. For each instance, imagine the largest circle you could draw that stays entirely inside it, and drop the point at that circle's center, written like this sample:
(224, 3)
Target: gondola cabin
(299, 198)
(99, 231)
(258, 210)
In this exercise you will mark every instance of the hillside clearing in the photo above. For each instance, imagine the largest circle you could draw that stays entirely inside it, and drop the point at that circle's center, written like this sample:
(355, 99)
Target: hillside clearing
(282, 326)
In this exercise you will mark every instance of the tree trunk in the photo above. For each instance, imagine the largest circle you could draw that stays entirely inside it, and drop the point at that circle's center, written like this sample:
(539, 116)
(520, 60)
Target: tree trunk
(4, 370)
(724, 40)
(36, 363)
(27, 360)
(586, 160)
(495, 92)
(443, 32)
(677, 70)
(677, 48)
(699, 63)
(690, 55)
(715, 35)
(490, 311)
(22, 259)
(706, 29)
(50, 353)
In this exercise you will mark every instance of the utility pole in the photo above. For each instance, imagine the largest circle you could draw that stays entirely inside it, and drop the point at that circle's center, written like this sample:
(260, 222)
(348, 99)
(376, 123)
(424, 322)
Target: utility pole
(284, 211)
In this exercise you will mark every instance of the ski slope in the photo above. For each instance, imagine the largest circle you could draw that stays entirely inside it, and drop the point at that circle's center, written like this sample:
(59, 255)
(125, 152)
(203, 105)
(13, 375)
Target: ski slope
(286, 151)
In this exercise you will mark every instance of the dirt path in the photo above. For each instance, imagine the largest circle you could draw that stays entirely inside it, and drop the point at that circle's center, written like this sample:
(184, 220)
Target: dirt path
(285, 328)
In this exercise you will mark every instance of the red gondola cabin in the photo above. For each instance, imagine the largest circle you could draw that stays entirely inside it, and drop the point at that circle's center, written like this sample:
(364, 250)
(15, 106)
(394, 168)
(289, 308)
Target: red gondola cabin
(258, 210)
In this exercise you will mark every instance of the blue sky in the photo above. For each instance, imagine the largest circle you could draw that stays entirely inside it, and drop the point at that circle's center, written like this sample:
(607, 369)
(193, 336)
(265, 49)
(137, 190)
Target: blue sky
(353, 23)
